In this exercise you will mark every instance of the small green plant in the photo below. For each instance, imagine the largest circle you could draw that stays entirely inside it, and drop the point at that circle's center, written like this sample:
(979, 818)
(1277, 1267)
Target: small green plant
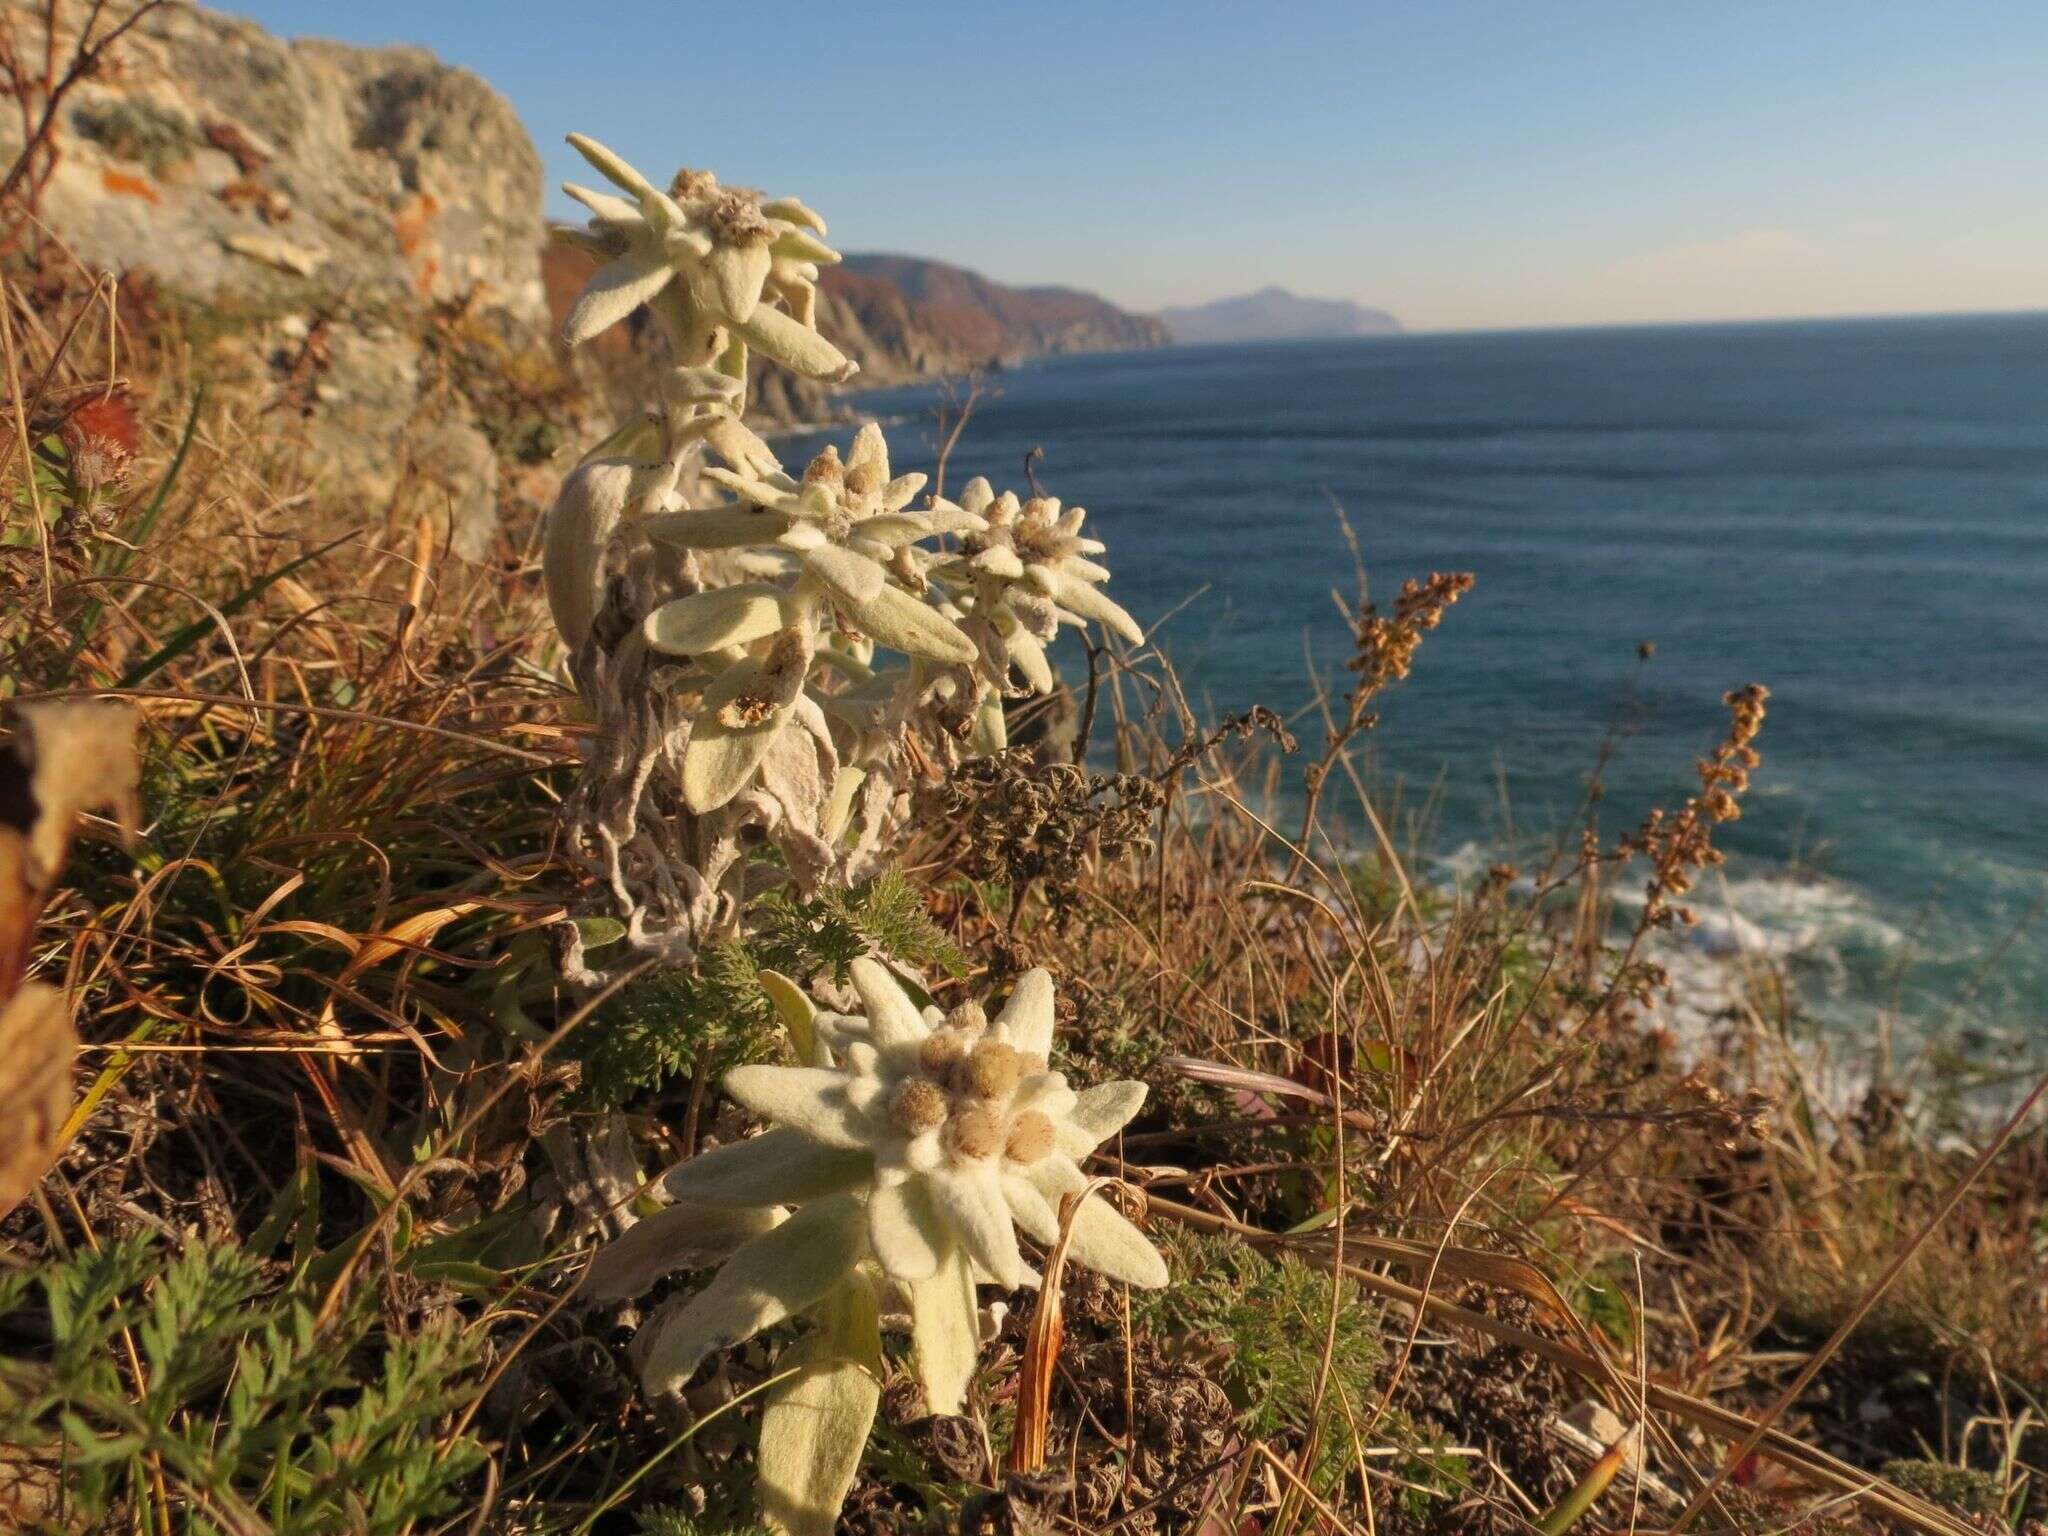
(186, 1373)
(1965, 1490)
(1264, 1326)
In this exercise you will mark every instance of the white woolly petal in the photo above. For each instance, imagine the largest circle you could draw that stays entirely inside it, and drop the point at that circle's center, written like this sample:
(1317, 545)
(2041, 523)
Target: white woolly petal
(972, 1202)
(905, 1229)
(614, 291)
(1098, 1114)
(902, 490)
(615, 211)
(999, 560)
(721, 616)
(794, 210)
(893, 1019)
(894, 528)
(944, 517)
(1077, 596)
(1027, 1018)
(579, 526)
(718, 528)
(721, 758)
(779, 1167)
(739, 271)
(612, 166)
(1101, 1239)
(1030, 1209)
(684, 1236)
(1029, 656)
(1046, 1092)
(944, 1336)
(853, 579)
(924, 1152)
(796, 347)
(977, 495)
(808, 1099)
(869, 447)
(894, 618)
(773, 1277)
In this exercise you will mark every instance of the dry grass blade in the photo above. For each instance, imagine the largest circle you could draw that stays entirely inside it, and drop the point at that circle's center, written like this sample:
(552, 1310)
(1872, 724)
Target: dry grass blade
(1041, 1353)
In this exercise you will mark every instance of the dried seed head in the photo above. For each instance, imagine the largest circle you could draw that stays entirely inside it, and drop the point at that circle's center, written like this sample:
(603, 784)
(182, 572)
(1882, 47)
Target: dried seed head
(974, 1133)
(920, 1105)
(942, 1051)
(735, 218)
(99, 437)
(746, 709)
(993, 1070)
(1030, 1138)
(825, 469)
(692, 186)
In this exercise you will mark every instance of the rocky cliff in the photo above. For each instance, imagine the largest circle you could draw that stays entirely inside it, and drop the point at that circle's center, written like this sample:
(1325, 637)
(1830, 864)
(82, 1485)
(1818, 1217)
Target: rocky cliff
(322, 204)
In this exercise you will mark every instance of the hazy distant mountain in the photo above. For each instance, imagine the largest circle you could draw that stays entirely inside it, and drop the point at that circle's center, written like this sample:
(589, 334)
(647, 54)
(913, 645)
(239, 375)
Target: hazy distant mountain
(1274, 314)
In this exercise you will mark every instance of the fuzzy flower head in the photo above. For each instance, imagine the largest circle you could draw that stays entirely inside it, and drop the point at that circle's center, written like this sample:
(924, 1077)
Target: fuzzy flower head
(922, 1141)
(706, 256)
(1022, 572)
(846, 529)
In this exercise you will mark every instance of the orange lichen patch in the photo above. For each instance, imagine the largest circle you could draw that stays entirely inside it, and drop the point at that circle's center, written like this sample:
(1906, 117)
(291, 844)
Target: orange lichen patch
(411, 221)
(413, 225)
(128, 184)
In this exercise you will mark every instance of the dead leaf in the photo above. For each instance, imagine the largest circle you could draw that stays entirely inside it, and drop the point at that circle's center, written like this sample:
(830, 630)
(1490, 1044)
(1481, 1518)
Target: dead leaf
(37, 1044)
(66, 757)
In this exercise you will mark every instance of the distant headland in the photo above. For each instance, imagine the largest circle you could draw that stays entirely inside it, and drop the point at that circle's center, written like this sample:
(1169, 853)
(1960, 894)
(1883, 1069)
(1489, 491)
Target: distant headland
(1274, 314)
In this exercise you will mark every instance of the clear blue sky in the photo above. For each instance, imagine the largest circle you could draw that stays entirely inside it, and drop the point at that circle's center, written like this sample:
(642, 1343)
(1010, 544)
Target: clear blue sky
(1460, 162)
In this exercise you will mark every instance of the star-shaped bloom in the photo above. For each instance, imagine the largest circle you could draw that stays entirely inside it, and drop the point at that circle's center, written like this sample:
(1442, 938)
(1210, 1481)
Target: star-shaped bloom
(923, 1141)
(847, 530)
(1020, 573)
(714, 251)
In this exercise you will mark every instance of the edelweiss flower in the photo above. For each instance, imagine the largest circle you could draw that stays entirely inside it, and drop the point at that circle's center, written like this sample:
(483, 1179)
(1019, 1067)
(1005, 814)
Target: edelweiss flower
(920, 1140)
(847, 530)
(1018, 572)
(710, 252)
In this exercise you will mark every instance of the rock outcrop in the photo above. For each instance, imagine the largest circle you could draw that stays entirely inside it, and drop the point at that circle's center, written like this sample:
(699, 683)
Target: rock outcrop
(315, 197)
(356, 234)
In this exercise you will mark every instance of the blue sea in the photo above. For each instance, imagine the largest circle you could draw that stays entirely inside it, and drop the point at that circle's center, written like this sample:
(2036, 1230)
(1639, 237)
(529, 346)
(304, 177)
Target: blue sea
(1853, 513)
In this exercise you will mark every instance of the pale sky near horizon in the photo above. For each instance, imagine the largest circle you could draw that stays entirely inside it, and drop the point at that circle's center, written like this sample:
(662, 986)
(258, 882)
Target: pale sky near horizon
(1461, 163)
